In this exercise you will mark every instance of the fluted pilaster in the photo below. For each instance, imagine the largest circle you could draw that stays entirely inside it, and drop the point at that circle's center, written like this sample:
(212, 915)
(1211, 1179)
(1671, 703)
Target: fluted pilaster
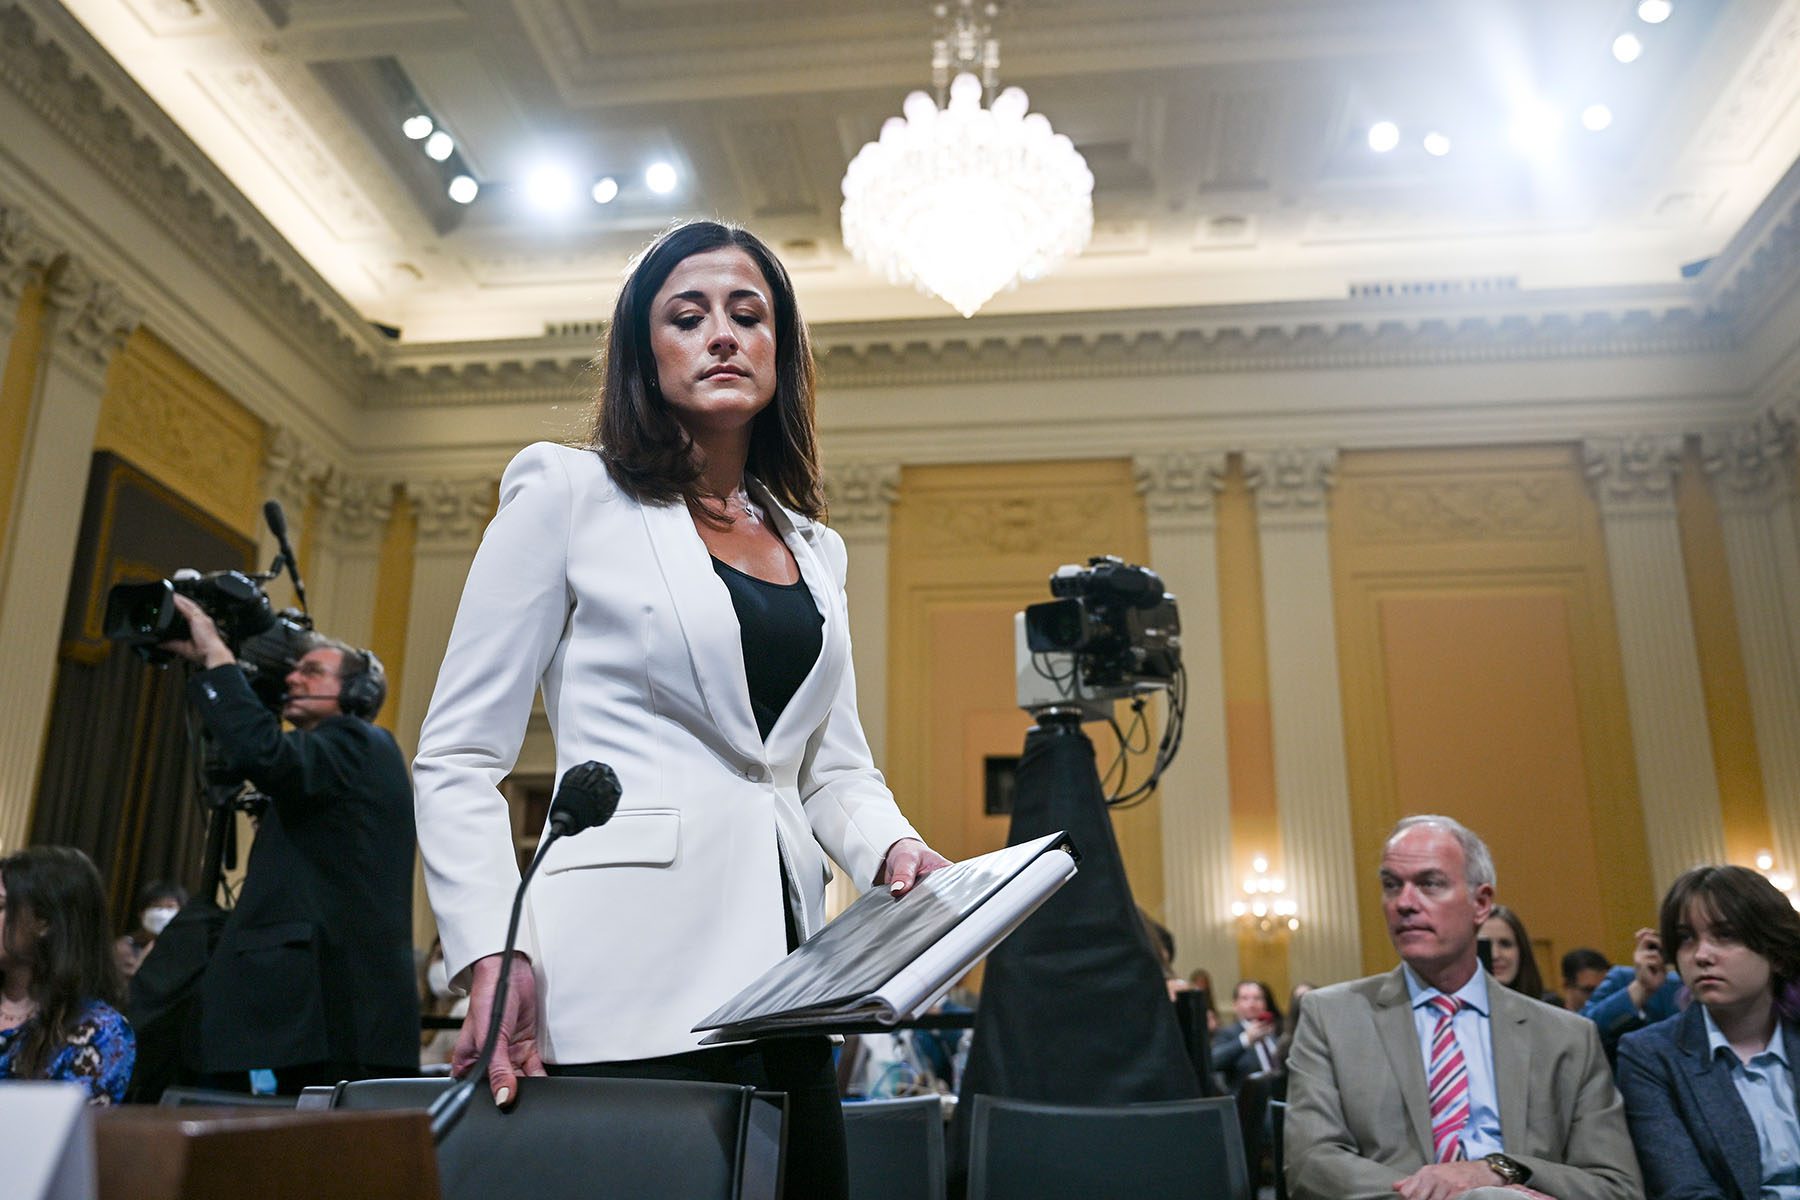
(451, 516)
(1752, 472)
(353, 512)
(1634, 480)
(1292, 486)
(88, 321)
(1179, 489)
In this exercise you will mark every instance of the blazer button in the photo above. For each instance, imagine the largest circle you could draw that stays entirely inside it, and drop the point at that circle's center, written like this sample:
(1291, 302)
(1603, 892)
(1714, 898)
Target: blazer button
(754, 774)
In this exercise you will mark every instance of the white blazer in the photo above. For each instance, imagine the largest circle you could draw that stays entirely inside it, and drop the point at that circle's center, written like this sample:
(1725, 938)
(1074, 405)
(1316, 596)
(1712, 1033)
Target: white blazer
(641, 927)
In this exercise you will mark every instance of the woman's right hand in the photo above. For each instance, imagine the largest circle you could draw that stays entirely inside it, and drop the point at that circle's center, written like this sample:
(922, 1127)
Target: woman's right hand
(515, 1051)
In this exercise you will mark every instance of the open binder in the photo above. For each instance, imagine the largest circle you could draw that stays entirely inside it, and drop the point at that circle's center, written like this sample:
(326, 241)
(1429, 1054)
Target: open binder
(884, 961)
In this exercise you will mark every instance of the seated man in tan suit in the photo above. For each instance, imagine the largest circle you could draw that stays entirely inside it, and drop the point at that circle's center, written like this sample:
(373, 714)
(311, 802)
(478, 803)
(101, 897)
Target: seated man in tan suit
(1520, 1100)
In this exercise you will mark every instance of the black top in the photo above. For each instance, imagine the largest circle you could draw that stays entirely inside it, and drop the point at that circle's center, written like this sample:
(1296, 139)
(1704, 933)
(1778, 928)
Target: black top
(782, 633)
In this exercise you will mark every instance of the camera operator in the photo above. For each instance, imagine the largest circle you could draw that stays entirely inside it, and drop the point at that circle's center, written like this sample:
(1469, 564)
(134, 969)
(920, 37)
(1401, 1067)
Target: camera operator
(313, 975)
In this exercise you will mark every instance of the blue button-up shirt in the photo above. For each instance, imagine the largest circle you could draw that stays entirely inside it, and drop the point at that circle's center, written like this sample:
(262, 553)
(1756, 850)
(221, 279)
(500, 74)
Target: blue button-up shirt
(1766, 1084)
(1473, 1028)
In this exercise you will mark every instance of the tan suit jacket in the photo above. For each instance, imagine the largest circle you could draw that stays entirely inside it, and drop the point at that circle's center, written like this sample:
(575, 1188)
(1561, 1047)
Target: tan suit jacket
(1359, 1118)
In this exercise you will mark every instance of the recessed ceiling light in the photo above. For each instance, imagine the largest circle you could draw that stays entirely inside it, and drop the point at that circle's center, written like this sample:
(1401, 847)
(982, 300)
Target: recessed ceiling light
(660, 178)
(1627, 47)
(1534, 128)
(1596, 117)
(439, 145)
(1383, 136)
(1437, 144)
(417, 127)
(549, 188)
(606, 189)
(463, 189)
(1654, 12)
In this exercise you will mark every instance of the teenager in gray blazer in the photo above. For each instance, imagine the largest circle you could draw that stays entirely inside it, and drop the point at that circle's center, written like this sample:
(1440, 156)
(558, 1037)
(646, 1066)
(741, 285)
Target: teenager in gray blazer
(1710, 1093)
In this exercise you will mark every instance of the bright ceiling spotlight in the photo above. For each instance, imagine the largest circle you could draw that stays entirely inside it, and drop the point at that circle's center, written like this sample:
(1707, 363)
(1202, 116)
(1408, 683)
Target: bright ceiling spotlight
(1596, 117)
(1654, 12)
(1383, 136)
(1627, 47)
(606, 190)
(439, 145)
(417, 127)
(660, 178)
(1535, 128)
(463, 189)
(549, 188)
(1437, 144)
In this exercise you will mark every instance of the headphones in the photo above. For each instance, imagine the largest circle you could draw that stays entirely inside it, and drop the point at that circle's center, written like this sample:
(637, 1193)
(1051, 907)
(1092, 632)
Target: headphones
(362, 685)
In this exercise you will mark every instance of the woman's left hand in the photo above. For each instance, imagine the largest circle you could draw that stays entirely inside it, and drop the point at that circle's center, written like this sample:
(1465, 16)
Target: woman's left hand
(908, 861)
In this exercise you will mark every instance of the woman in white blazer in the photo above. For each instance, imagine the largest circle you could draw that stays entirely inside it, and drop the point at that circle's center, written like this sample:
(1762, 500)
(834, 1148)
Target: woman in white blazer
(670, 592)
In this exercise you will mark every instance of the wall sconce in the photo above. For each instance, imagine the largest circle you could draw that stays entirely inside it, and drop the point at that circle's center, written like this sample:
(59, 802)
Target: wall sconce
(1268, 910)
(1783, 881)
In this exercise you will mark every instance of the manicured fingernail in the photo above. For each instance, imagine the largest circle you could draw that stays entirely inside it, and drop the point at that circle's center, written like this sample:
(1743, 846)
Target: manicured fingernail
(898, 886)
(502, 1096)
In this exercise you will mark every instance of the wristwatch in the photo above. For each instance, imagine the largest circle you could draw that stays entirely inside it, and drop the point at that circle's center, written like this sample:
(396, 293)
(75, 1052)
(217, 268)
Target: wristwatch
(1510, 1170)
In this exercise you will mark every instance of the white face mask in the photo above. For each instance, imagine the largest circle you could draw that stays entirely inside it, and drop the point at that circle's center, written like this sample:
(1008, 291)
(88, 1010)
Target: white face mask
(437, 978)
(157, 919)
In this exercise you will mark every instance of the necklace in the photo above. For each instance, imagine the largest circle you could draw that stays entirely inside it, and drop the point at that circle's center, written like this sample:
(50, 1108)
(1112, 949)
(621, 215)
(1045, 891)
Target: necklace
(752, 511)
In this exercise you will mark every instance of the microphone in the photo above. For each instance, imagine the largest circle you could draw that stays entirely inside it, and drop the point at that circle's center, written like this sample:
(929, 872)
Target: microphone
(587, 796)
(277, 521)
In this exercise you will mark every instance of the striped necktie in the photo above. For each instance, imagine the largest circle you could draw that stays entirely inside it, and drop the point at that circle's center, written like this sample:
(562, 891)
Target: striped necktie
(1448, 1078)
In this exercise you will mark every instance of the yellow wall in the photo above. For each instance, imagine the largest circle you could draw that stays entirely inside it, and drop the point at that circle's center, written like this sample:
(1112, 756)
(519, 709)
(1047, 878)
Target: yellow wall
(972, 545)
(1481, 679)
(393, 601)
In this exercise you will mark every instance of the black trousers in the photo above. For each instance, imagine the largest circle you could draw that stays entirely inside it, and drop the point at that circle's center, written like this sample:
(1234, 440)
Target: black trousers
(817, 1168)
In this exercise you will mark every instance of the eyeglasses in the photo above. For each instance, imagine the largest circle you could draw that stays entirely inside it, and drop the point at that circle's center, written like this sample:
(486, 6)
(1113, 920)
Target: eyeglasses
(313, 670)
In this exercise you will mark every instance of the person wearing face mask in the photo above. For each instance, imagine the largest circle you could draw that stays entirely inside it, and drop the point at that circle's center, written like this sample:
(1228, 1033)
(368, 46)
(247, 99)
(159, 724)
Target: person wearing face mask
(1710, 1092)
(158, 902)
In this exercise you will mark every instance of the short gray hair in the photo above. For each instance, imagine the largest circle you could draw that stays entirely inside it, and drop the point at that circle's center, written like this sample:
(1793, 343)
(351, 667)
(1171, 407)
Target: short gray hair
(1478, 864)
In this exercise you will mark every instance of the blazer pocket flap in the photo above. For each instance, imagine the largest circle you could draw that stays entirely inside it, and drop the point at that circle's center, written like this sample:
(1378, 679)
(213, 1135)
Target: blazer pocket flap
(270, 937)
(635, 837)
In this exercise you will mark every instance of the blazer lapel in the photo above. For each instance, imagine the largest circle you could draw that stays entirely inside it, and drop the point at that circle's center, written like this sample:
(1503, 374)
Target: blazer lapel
(1716, 1096)
(1507, 1018)
(703, 607)
(1400, 1038)
(815, 693)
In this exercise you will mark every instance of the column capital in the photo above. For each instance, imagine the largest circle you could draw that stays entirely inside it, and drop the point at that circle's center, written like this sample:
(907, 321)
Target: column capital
(1180, 483)
(291, 466)
(26, 253)
(861, 493)
(1633, 471)
(1291, 479)
(452, 511)
(1751, 465)
(93, 317)
(355, 508)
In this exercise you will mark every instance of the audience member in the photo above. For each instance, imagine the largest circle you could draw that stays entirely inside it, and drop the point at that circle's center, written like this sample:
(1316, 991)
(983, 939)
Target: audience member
(1522, 1097)
(1514, 961)
(1246, 1046)
(158, 902)
(1629, 998)
(1709, 1093)
(1582, 971)
(59, 986)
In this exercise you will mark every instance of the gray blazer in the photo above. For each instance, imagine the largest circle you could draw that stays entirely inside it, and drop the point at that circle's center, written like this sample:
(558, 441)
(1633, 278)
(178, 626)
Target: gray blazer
(1359, 1118)
(1694, 1136)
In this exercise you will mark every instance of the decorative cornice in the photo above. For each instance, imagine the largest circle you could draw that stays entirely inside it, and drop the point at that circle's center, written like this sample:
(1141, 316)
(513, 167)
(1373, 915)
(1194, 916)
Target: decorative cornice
(1750, 465)
(355, 508)
(26, 253)
(860, 494)
(94, 319)
(1638, 471)
(452, 512)
(1290, 479)
(1180, 482)
(122, 135)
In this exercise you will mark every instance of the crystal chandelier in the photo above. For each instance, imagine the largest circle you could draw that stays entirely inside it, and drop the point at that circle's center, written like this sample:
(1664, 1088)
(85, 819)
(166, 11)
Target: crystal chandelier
(964, 201)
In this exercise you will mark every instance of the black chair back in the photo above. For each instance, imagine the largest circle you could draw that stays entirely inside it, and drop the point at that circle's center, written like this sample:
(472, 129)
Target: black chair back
(1191, 1008)
(586, 1139)
(175, 1097)
(1173, 1148)
(896, 1148)
(1278, 1119)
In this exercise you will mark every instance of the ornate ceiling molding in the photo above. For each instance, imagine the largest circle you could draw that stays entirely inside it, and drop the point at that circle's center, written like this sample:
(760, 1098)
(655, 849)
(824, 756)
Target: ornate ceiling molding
(98, 111)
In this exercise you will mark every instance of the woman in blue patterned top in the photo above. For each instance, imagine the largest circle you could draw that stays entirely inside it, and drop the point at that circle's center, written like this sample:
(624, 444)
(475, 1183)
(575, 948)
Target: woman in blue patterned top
(59, 984)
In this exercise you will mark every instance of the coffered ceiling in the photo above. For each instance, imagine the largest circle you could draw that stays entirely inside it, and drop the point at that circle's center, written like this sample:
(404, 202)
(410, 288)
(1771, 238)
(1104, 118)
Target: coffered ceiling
(1228, 140)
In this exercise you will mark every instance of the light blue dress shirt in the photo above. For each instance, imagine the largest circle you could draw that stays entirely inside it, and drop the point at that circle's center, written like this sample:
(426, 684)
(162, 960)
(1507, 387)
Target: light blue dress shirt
(1766, 1084)
(1473, 1028)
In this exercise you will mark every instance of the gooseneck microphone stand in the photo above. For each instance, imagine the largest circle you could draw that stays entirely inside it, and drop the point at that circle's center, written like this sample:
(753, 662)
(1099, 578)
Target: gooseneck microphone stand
(587, 796)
